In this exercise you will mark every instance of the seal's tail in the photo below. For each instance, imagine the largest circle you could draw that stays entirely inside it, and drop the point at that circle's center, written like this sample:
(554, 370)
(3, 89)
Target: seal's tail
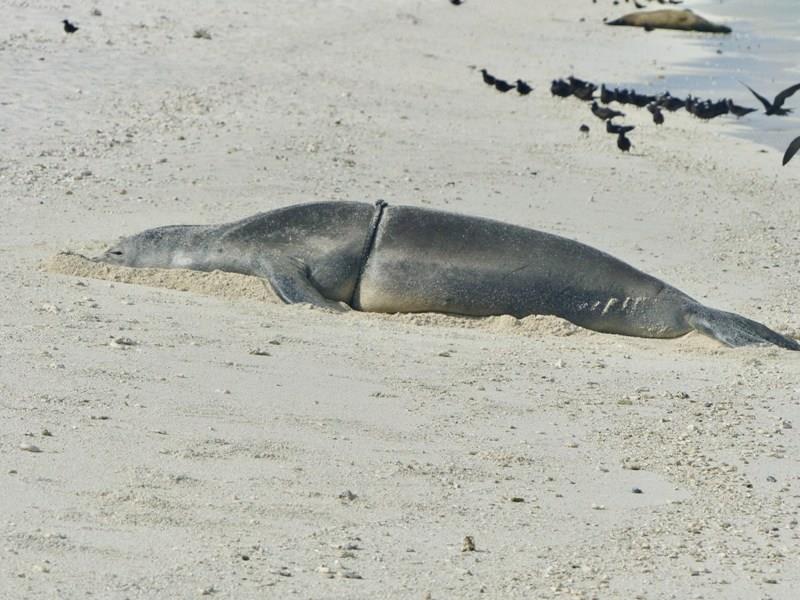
(734, 330)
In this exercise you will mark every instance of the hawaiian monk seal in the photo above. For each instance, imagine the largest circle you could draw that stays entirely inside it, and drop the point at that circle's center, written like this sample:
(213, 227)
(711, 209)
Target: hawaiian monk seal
(409, 259)
(669, 18)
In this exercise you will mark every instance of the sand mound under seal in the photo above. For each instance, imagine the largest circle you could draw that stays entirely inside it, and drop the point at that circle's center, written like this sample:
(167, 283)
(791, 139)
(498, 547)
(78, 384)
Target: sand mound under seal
(233, 286)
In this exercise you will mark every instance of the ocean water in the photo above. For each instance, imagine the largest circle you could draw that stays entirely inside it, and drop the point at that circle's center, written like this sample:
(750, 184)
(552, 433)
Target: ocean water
(763, 51)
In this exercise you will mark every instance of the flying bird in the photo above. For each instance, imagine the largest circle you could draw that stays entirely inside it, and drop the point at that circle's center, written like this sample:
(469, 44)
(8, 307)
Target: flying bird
(69, 27)
(791, 150)
(775, 107)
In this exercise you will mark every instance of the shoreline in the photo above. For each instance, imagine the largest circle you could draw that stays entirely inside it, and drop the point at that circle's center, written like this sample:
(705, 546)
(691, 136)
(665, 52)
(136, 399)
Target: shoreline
(756, 52)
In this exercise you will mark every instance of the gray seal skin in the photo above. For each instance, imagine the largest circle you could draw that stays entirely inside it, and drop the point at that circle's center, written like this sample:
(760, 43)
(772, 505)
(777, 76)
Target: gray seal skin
(423, 260)
(308, 252)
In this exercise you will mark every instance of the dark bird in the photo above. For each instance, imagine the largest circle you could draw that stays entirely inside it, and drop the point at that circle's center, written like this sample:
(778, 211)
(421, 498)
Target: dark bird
(791, 150)
(503, 86)
(601, 112)
(561, 88)
(641, 100)
(623, 143)
(69, 27)
(487, 79)
(584, 128)
(576, 83)
(621, 95)
(658, 116)
(583, 90)
(739, 111)
(456, 2)
(637, 5)
(774, 107)
(671, 103)
(606, 95)
(612, 127)
(706, 109)
(523, 88)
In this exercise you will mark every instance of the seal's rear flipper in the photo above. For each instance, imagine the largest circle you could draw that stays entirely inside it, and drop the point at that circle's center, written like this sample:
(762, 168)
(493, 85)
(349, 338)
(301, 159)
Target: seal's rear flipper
(734, 330)
(290, 282)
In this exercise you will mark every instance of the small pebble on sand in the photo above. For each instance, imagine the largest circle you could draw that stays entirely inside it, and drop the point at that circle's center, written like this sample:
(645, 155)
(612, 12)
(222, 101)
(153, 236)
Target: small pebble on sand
(347, 496)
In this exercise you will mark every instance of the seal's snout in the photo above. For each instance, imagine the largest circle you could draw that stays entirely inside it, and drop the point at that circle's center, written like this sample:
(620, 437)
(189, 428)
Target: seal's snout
(112, 255)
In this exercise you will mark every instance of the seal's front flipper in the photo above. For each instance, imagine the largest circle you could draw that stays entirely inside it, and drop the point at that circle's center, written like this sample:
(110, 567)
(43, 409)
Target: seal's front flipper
(735, 330)
(290, 282)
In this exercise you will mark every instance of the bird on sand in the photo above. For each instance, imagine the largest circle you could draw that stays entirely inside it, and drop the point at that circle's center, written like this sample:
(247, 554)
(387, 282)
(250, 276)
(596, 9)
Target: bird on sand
(584, 128)
(658, 116)
(623, 143)
(69, 27)
(775, 107)
(456, 2)
(739, 111)
(583, 90)
(606, 95)
(671, 103)
(487, 78)
(706, 109)
(560, 88)
(604, 113)
(523, 88)
(791, 150)
(503, 86)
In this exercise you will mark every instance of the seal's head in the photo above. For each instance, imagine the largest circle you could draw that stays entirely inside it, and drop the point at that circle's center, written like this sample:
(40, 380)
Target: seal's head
(158, 248)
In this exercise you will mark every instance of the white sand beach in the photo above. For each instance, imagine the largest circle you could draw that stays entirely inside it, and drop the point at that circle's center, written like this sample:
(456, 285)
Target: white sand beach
(198, 438)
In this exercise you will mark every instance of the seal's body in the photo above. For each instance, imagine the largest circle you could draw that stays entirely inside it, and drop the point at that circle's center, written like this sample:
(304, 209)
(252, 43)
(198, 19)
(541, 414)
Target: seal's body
(409, 259)
(670, 18)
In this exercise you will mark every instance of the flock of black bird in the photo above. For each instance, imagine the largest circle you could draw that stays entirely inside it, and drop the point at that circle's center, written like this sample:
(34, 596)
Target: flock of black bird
(523, 89)
(585, 90)
(655, 104)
